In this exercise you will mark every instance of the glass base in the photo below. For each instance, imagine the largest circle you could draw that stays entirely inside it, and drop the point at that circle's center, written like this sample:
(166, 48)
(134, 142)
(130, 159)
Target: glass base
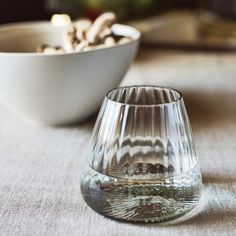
(142, 201)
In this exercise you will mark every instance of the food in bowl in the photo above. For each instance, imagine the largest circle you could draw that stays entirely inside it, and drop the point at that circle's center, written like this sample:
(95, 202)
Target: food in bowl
(83, 35)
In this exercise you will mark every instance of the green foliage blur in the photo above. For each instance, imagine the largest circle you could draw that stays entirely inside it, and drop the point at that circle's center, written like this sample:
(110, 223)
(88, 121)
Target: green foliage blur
(125, 9)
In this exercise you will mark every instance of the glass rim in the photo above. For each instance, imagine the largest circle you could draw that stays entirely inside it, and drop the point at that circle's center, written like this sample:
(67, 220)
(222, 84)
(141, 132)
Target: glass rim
(145, 105)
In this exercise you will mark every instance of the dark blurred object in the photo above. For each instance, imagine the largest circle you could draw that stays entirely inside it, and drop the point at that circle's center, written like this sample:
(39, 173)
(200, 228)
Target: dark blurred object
(22, 10)
(188, 29)
(224, 7)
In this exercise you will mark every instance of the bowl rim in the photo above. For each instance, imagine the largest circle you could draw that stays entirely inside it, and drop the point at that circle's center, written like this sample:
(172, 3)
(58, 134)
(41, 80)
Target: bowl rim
(136, 36)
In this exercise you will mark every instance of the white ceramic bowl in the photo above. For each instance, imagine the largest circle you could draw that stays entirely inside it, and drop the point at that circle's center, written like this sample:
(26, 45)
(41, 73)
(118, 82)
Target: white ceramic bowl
(58, 89)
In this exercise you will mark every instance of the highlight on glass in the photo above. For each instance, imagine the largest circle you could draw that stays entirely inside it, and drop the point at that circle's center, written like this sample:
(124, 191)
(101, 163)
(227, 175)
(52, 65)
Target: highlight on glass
(142, 164)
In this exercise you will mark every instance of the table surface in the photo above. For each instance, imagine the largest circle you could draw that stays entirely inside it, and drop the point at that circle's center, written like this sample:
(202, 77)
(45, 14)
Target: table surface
(40, 166)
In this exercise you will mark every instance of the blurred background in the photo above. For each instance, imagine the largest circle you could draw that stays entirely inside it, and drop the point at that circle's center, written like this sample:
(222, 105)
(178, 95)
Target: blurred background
(188, 23)
(26, 10)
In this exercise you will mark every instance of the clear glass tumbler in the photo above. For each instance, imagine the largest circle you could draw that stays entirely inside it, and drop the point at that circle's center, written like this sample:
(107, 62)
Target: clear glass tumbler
(143, 166)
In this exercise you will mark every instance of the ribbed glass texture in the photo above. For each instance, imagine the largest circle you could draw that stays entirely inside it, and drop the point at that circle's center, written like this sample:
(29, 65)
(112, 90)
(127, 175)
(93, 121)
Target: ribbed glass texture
(143, 166)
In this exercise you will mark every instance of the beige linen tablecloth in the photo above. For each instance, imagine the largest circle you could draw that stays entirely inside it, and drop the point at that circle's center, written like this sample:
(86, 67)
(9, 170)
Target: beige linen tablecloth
(40, 166)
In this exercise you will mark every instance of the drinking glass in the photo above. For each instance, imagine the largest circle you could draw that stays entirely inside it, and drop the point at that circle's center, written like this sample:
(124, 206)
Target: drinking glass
(142, 166)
